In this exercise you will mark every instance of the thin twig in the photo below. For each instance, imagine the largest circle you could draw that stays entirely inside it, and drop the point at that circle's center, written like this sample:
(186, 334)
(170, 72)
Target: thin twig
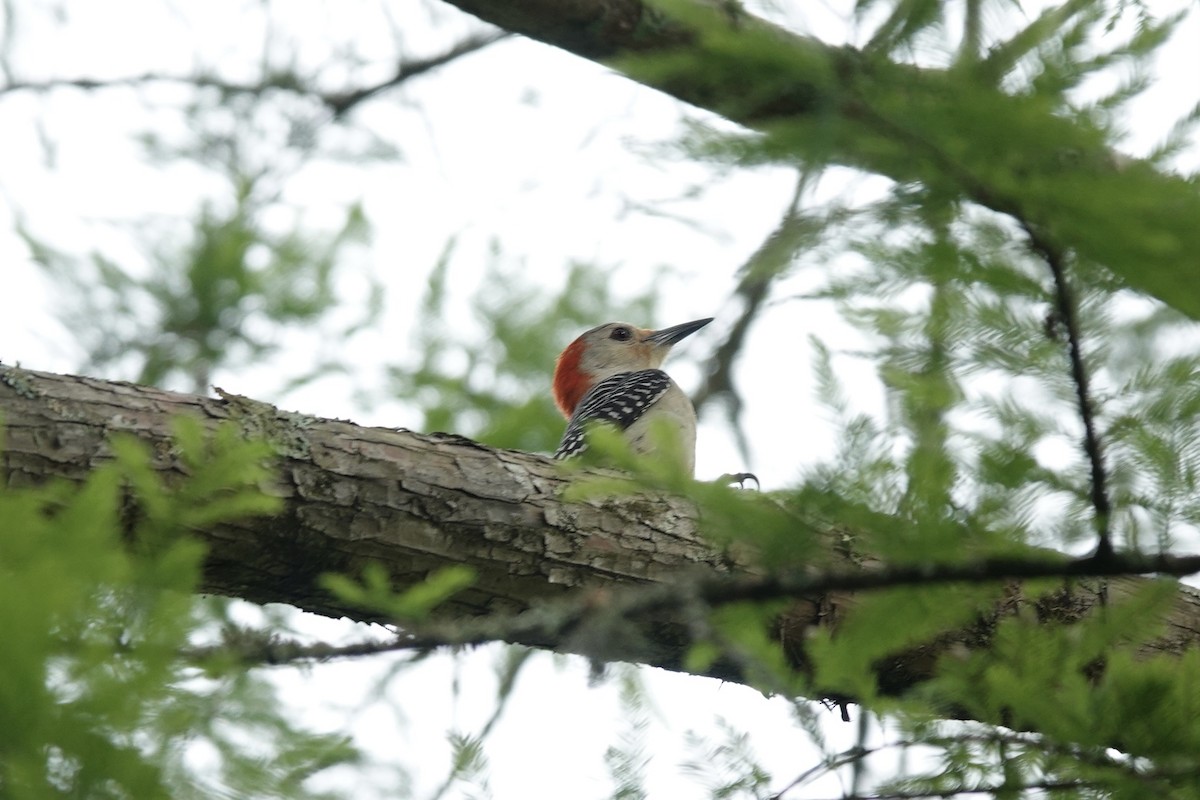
(1066, 310)
(1095, 757)
(980, 192)
(1071, 785)
(833, 762)
(757, 275)
(407, 70)
(338, 102)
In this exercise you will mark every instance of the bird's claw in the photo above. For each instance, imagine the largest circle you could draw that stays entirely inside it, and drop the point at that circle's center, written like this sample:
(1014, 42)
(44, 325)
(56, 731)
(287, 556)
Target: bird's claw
(740, 479)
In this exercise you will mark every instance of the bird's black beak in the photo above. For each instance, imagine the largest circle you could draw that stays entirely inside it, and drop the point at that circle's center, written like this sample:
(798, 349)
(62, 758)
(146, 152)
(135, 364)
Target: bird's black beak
(669, 336)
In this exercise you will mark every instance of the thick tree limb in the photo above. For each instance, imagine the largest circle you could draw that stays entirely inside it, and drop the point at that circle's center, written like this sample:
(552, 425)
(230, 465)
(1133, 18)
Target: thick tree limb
(624, 573)
(354, 494)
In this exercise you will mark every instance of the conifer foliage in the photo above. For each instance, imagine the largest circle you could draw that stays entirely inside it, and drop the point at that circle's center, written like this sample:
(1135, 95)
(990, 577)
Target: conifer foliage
(1022, 288)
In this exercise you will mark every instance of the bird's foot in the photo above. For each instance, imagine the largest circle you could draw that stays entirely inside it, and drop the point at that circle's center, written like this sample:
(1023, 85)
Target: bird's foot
(740, 479)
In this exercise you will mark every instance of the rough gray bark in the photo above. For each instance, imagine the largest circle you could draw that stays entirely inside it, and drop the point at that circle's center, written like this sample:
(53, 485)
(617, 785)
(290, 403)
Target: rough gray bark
(354, 494)
(419, 502)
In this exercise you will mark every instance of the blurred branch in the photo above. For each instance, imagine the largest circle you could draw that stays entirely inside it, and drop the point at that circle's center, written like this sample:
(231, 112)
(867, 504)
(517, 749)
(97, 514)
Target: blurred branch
(596, 29)
(282, 81)
(1066, 313)
(1073, 785)
(555, 621)
(833, 762)
(407, 70)
(766, 264)
(839, 105)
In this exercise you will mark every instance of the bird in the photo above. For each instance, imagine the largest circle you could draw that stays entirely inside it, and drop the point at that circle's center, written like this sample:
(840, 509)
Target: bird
(611, 374)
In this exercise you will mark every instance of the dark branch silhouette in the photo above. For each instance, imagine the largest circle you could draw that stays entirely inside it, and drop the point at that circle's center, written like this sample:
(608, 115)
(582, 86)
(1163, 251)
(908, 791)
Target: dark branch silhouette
(408, 70)
(769, 262)
(1066, 313)
(554, 621)
(339, 103)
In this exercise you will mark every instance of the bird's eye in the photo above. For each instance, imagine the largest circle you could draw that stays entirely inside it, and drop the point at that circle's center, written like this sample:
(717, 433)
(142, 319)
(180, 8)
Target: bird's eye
(621, 334)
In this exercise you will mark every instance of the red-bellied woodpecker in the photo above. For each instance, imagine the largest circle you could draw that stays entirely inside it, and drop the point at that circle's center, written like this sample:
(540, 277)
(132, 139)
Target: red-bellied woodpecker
(611, 374)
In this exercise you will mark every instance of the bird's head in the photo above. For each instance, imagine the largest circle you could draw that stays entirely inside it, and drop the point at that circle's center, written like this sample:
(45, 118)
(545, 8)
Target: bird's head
(609, 349)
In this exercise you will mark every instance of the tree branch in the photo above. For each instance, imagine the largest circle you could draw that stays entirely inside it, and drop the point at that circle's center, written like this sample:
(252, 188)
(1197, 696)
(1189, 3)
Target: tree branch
(890, 118)
(339, 103)
(1073, 785)
(757, 275)
(1067, 313)
(554, 621)
(608, 578)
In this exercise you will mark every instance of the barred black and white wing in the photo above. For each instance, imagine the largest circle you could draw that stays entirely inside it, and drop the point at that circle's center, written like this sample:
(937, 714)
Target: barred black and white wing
(619, 400)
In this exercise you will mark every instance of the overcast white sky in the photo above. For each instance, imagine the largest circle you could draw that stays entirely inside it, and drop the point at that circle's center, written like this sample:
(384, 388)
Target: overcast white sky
(520, 144)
